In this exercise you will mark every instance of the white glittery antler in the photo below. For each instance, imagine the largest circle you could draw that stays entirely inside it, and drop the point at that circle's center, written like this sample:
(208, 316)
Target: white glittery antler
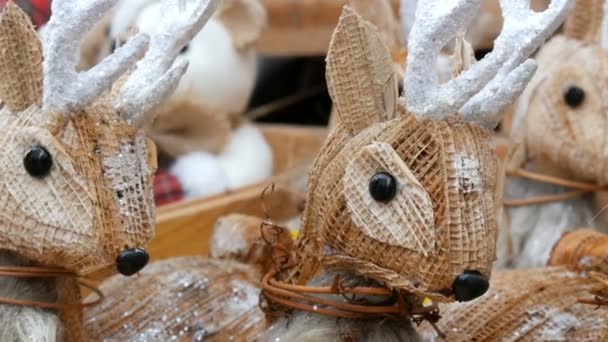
(438, 21)
(156, 76)
(65, 89)
(524, 30)
(408, 15)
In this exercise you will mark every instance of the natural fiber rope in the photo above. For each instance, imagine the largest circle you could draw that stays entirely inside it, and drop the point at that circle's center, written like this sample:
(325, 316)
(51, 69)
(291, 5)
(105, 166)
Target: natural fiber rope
(601, 291)
(579, 188)
(295, 296)
(47, 272)
(298, 297)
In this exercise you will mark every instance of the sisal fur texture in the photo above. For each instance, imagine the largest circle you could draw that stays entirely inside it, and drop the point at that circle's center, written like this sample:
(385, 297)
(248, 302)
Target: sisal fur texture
(19, 323)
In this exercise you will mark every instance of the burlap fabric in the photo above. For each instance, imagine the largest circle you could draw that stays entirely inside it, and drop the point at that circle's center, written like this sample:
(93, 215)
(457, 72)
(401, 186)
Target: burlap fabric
(559, 129)
(182, 299)
(558, 138)
(582, 250)
(97, 198)
(442, 220)
(525, 305)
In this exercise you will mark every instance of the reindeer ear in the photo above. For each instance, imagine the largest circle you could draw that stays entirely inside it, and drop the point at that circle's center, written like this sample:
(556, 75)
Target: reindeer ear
(20, 60)
(360, 75)
(245, 19)
(585, 21)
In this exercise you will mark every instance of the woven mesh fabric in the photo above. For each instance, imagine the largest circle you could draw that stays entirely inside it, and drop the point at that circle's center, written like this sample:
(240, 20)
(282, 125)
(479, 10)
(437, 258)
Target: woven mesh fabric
(97, 198)
(561, 139)
(21, 56)
(456, 176)
(442, 220)
(582, 250)
(585, 22)
(181, 299)
(525, 305)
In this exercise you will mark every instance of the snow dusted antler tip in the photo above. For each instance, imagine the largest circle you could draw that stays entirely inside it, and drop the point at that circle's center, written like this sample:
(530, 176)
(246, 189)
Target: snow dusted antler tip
(488, 86)
(156, 76)
(65, 89)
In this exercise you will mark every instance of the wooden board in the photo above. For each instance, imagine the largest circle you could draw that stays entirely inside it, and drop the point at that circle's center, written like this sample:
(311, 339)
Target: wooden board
(301, 27)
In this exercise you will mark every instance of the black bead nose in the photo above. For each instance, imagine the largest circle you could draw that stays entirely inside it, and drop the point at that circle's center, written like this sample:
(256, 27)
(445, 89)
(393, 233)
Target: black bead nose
(131, 261)
(470, 285)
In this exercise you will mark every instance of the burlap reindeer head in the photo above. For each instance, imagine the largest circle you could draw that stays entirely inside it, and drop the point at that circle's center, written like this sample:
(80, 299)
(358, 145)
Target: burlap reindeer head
(562, 117)
(77, 168)
(405, 192)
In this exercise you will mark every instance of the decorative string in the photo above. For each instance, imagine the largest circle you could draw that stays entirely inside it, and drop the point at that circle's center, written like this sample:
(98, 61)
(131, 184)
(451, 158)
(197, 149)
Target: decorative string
(289, 296)
(47, 272)
(578, 188)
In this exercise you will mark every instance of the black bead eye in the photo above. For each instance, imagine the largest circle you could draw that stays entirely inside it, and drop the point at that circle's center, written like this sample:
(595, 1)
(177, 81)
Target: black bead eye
(184, 49)
(38, 161)
(470, 285)
(574, 96)
(383, 187)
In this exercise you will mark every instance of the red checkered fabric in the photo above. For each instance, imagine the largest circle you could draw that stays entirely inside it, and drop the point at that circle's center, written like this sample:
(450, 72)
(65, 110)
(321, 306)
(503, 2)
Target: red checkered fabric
(38, 10)
(167, 189)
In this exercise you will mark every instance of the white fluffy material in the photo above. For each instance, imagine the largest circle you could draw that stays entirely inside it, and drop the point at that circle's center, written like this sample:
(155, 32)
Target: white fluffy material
(200, 174)
(218, 76)
(21, 323)
(246, 160)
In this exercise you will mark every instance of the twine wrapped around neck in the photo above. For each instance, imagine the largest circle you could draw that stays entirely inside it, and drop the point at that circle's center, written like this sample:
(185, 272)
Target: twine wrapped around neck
(300, 297)
(47, 272)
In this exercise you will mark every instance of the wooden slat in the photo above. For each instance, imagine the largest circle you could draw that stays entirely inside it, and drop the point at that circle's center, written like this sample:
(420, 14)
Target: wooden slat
(301, 27)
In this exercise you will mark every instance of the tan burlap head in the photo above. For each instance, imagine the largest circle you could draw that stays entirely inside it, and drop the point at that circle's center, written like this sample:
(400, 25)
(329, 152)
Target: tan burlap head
(525, 305)
(561, 117)
(438, 221)
(77, 168)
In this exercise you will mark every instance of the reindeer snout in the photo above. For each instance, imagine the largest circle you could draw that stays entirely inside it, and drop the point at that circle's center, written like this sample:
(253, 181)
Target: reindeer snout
(131, 261)
(470, 285)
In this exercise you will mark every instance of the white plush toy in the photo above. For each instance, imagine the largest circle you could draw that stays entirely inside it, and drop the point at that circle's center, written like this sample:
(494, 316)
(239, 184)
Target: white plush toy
(199, 127)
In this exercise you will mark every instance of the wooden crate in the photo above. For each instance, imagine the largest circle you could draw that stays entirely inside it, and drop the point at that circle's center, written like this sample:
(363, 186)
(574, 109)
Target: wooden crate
(184, 228)
(301, 27)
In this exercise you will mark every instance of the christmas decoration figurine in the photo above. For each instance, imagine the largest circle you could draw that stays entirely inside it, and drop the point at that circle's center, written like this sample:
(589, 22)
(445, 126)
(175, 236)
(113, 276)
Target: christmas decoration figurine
(77, 168)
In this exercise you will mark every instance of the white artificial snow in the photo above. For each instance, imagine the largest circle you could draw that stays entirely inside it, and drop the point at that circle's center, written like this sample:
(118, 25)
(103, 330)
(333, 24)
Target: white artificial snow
(200, 174)
(157, 74)
(501, 72)
(247, 159)
(65, 89)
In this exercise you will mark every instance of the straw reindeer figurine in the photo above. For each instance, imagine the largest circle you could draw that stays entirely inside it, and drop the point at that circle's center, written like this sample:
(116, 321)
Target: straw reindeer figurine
(561, 302)
(559, 159)
(77, 182)
(401, 203)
